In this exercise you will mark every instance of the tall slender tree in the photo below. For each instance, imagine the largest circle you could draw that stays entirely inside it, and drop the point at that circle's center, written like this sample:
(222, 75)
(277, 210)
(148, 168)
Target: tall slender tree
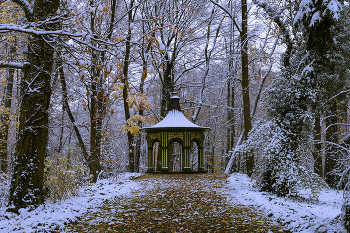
(5, 116)
(243, 33)
(125, 81)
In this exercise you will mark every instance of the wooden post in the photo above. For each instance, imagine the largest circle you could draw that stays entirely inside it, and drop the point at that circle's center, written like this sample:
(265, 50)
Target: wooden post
(164, 151)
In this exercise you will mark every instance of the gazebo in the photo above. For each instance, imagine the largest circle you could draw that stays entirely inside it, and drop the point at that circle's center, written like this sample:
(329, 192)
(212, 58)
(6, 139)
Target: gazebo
(175, 127)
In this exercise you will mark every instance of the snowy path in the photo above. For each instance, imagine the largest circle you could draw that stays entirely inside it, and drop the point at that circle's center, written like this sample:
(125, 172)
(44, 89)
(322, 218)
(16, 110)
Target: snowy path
(175, 203)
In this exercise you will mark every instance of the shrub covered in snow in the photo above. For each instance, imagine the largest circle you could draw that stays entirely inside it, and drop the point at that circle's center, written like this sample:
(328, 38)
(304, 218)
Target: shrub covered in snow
(283, 167)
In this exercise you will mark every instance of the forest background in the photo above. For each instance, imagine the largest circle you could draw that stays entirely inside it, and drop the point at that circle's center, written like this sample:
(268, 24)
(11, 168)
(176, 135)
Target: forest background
(80, 78)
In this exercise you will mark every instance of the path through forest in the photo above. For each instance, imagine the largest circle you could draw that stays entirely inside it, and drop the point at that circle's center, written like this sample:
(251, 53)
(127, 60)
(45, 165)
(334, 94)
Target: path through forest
(175, 203)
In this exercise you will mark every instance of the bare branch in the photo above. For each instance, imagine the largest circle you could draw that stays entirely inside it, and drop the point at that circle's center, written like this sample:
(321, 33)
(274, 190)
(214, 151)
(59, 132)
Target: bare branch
(263, 79)
(276, 17)
(229, 15)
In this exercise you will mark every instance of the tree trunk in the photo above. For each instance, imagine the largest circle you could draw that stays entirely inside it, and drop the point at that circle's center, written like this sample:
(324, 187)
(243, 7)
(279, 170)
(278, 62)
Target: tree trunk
(97, 99)
(331, 151)
(159, 158)
(60, 143)
(167, 87)
(130, 137)
(245, 85)
(231, 121)
(171, 157)
(5, 119)
(28, 172)
(230, 95)
(91, 164)
(318, 166)
(139, 124)
(95, 131)
(125, 79)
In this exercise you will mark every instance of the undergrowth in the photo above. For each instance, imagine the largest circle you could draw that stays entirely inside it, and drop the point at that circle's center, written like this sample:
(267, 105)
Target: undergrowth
(65, 174)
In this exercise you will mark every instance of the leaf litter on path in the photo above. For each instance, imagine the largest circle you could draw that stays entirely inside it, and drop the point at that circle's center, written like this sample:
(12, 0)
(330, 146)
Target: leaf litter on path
(175, 203)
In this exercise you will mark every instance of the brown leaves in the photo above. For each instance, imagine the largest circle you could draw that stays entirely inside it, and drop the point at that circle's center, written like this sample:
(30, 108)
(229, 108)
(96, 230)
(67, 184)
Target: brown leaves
(101, 95)
(176, 203)
(144, 74)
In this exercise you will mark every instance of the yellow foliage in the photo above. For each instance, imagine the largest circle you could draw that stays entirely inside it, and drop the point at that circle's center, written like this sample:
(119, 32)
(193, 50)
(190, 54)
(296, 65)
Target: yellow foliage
(10, 12)
(64, 175)
(131, 124)
(138, 101)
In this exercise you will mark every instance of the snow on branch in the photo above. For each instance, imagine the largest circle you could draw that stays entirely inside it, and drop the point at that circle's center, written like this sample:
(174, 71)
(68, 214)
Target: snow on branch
(307, 7)
(16, 65)
(35, 31)
(276, 17)
(26, 6)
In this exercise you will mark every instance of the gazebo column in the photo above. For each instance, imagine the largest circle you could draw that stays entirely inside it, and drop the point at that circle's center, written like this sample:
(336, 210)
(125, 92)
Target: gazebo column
(200, 159)
(164, 151)
(186, 158)
(150, 160)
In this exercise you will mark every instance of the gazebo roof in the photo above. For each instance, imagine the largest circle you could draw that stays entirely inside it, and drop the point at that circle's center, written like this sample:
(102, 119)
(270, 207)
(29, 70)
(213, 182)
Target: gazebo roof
(175, 119)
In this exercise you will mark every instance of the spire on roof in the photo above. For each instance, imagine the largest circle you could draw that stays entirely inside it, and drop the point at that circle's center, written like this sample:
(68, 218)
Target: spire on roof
(175, 102)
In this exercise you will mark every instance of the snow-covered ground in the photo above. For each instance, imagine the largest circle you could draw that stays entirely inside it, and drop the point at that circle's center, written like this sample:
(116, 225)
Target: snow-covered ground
(297, 216)
(54, 216)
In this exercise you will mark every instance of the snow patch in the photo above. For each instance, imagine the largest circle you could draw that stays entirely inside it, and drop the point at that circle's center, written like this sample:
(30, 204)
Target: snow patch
(322, 215)
(335, 7)
(315, 17)
(55, 216)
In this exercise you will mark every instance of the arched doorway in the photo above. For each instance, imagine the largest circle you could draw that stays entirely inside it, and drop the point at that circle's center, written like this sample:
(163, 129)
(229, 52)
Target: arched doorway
(156, 156)
(175, 156)
(194, 156)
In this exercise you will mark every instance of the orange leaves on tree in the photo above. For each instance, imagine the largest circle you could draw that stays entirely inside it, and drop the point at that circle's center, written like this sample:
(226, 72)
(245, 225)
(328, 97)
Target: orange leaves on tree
(101, 95)
(144, 74)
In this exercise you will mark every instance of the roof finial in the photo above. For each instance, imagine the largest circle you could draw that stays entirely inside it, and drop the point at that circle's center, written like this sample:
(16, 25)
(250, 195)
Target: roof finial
(175, 102)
